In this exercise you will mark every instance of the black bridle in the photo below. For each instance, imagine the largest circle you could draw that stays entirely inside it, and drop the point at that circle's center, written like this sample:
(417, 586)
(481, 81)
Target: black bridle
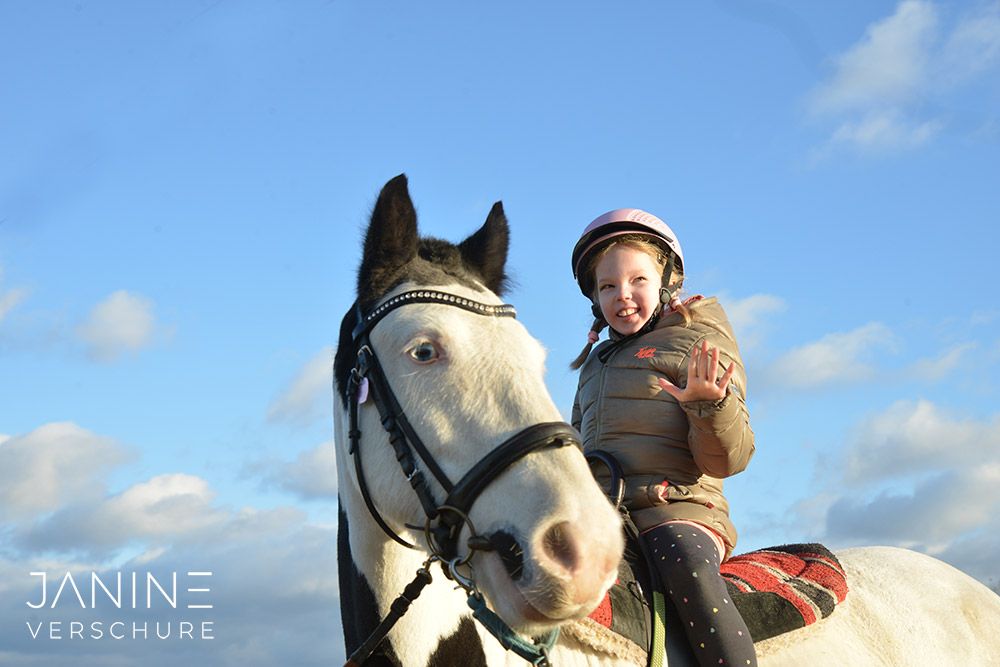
(446, 519)
(451, 514)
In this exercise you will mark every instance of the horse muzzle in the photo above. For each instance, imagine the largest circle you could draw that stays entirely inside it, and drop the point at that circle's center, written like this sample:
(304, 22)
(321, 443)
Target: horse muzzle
(561, 575)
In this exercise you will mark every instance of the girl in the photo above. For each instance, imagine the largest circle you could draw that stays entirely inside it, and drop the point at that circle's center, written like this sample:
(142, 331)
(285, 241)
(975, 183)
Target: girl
(666, 396)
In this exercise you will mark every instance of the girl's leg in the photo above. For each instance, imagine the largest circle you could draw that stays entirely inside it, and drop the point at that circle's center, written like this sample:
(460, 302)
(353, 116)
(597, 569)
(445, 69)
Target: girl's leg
(688, 563)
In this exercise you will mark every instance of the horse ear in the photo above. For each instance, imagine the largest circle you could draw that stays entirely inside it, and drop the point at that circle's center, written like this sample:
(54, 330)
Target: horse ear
(486, 250)
(391, 240)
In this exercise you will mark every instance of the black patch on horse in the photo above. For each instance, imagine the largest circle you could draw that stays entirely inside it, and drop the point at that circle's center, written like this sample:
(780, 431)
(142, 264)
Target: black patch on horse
(463, 648)
(344, 359)
(359, 616)
(358, 609)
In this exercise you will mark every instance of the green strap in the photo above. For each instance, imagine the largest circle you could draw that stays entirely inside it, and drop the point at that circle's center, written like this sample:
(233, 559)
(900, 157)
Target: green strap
(658, 651)
(535, 652)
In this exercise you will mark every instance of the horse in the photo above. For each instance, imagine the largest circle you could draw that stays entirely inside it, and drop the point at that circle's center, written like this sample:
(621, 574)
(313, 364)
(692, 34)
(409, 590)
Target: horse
(469, 521)
(491, 462)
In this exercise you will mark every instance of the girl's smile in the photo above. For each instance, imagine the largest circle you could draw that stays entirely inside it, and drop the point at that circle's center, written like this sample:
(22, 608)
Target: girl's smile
(628, 288)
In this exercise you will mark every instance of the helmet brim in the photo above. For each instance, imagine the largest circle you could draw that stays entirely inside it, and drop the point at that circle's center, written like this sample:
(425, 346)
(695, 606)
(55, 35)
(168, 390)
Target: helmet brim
(597, 236)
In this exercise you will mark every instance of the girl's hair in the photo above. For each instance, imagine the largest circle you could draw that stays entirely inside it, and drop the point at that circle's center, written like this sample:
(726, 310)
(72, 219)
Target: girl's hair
(642, 243)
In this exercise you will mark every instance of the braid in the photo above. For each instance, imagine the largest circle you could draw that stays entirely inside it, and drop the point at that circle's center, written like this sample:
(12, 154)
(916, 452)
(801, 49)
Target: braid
(596, 328)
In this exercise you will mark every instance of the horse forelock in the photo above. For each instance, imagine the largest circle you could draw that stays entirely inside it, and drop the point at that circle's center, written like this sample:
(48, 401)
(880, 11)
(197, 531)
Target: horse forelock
(438, 263)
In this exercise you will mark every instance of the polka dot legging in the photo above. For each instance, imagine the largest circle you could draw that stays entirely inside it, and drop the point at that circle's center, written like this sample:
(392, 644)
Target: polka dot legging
(688, 564)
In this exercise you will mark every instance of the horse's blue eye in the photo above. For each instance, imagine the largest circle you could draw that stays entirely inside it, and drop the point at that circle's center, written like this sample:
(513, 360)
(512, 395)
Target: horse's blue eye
(424, 353)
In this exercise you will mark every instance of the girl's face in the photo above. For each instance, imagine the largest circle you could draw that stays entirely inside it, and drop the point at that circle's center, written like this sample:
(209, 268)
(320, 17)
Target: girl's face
(628, 288)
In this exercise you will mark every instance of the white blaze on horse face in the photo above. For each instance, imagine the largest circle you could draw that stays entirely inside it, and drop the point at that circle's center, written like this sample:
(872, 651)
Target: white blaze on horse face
(485, 384)
(468, 382)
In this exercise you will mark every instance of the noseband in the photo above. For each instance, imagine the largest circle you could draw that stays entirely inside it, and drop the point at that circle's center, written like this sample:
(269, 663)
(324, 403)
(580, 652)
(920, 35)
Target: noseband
(444, 520)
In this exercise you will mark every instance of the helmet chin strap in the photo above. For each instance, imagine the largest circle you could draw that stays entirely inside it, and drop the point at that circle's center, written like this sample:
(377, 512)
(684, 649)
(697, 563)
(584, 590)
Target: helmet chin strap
(667, 294)
(669, 291)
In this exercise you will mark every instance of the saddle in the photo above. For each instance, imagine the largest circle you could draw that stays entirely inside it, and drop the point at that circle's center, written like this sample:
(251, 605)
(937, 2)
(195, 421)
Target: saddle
(776, 590)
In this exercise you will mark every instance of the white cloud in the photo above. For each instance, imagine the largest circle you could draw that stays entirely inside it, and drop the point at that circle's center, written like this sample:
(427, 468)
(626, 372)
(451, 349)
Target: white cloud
(977, 552)
(887, 68)
(309, 396)
(55, 463)
(166, 509)
(972, 48)
(984, 316)
(835, 358)
(749, 314)
(884, 130)
(879, 87)
(166, 505)
(274, 582)
(927, 517)
(919, 477)
(273, 590)
(10, 298)
(123, 322)
(917, 437)
(929, 370)
(312, 475)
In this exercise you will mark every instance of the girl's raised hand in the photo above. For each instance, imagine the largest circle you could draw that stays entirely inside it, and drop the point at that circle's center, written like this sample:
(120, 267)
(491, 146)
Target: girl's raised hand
(701, 384)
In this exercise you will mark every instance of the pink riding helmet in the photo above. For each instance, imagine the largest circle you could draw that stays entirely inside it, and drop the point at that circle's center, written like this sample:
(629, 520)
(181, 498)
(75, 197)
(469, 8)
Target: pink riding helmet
(616, 223)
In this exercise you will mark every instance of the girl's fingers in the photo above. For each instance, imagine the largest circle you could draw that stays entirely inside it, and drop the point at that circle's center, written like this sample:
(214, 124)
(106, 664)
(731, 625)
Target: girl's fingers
(726, 377)
(703, 367)
(669, 387)
(713, 365)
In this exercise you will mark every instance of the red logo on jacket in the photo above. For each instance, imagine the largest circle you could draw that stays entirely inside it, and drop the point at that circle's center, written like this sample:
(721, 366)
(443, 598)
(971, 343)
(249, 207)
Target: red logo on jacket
(646, 353)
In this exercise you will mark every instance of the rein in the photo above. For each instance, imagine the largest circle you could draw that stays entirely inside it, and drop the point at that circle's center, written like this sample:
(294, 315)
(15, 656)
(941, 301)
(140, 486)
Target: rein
(445, 520)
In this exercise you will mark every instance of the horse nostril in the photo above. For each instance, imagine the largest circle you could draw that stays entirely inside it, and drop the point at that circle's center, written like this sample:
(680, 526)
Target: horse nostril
(510, 552)
(559, 545)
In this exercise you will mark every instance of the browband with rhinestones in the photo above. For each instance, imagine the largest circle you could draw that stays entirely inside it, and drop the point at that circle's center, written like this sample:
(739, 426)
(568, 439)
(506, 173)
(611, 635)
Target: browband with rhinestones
(367, 322)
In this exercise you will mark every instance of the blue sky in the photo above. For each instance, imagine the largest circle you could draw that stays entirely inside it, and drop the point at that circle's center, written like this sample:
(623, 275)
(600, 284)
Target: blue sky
(183, 189)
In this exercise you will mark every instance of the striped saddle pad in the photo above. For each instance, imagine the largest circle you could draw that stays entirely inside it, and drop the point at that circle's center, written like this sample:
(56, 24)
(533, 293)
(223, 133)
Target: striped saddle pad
(784, 588)
(776, 590)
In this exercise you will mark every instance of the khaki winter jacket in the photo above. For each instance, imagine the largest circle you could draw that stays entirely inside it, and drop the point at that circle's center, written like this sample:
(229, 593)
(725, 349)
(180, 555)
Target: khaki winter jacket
(620, 408)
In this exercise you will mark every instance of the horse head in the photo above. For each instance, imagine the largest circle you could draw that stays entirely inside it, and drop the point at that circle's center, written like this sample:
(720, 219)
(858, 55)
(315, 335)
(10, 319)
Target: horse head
(468, 379)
